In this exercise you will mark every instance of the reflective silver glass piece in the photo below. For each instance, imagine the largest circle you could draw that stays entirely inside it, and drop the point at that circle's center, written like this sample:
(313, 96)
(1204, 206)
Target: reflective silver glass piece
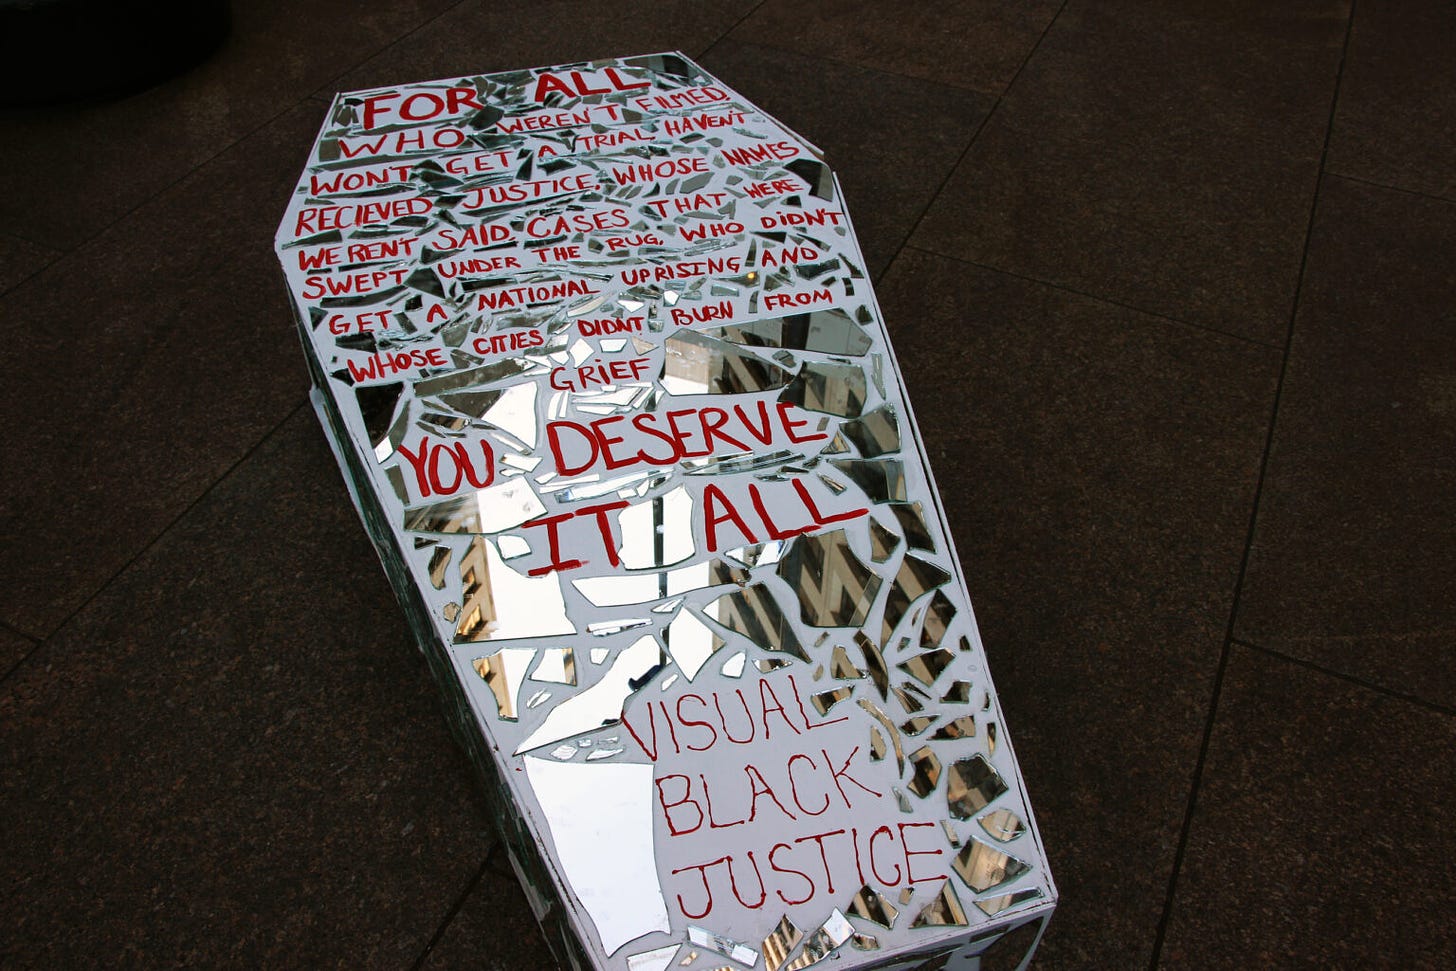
(984, 868)
(973, 785)
(945, 908)
(1003, 825)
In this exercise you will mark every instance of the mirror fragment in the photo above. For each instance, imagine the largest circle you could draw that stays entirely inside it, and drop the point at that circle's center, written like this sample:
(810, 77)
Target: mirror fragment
(834, 587)
(1002, 825)
(754, 612)
(656, 959)
(840, 666)
(973, 785)
(876, 433)
(882, 542)
(830, 936)
(869, 904)
(927, 771)
(996, 905)
(557, 665)
(958, 728)
(602, 703)
(695, 363)
(944, 909)
(825, 700)
(928, 666)
(690, 643)
(835, 389)
(874, 664)
(719, 944)
(959, 693)
(504, 672)
(984, 868)
(439, 560)
(780, 943)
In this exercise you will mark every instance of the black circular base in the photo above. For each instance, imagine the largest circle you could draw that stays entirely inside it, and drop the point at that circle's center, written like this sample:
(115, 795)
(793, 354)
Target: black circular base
(65, 50)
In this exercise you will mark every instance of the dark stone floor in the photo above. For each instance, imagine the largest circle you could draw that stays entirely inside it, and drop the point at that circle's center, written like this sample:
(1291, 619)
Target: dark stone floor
(1172, 284)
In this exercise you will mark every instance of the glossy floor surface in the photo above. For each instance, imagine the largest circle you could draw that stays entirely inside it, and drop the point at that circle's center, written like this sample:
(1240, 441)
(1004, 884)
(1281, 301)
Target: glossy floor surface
(1172, 285)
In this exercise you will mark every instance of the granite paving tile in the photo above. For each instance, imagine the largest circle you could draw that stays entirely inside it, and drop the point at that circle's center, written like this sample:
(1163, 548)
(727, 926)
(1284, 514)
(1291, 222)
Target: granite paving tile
(1353, 564)
(494, 930)
(234, 757)
(891, 140)
(139, 369)
(1135, 160)
(95, 162)
(1098, 468)
(479, 38)
(1320, 837)
(976, 45)
(20, 258)
(1396, 119)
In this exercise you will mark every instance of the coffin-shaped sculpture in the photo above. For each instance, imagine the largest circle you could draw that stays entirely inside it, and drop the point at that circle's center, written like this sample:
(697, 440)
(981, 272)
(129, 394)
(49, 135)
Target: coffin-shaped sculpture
(597, 354)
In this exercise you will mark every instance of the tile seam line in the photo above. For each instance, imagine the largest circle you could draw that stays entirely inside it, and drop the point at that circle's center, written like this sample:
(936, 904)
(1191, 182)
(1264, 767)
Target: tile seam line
(1434, 706)
(1202, 328)
(700, 55)
(42, 268)
(11, 628)
(132, 560)
(1448, 200)
(163, 190)
(454, 910)
(1196, 782)
(329, 89)
(23, 238)
(828, 59)
(249, 133)
(971, 142)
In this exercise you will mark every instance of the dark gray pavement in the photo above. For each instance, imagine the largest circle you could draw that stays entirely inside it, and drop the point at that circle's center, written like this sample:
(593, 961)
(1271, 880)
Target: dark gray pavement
(1173, 285)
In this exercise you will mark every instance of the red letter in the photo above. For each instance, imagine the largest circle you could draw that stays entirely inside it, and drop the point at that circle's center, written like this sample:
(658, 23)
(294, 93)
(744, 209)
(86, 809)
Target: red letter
(371, 107)
(819, 517)
(462, 461)
(820, 838)
(790, 424)
(843, 773)
(909, 867)
(733, 882)
(554, 438)
(545, 84)
(417, 462)
(758, 786)
(652, 723)
(714, 497)
(553, 542)
(765, 692)
(462, 98)
(693, 722)
(708, 798)
(600, 511)
(793, 787)
(778, 869)
(667, 807)
(874, 867)
(702, 869)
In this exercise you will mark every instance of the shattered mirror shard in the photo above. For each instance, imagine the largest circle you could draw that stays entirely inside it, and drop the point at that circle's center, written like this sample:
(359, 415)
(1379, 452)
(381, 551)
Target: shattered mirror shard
(596, 351)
